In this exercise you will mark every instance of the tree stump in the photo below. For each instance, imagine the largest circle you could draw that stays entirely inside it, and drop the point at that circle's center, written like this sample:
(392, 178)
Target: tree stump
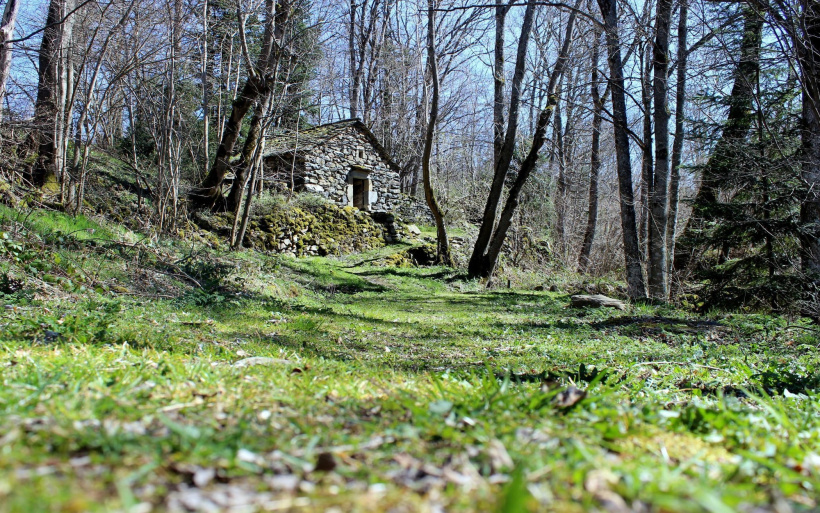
(595, 301)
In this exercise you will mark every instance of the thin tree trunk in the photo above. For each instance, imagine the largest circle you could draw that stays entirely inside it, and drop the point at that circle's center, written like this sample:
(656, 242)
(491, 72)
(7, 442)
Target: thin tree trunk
(67, 113)
(647, 159)
(594, 162)
(505, 219)
(6, 34)
(480, 263)
(443, 256)
(65, 98)
(91, 90)
(677, 143)
(220, 111)
(658, 199)
(355, 71)
(209, 192)
(256, 168)
(561, 189)
(632, 252)
(206, 97)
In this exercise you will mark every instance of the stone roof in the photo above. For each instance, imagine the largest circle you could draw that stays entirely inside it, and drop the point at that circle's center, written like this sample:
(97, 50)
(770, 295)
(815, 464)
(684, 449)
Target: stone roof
(308, 139)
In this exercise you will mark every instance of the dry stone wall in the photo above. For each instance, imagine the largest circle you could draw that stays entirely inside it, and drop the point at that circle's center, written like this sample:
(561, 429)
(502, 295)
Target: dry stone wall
(413, 210)
(316, 231)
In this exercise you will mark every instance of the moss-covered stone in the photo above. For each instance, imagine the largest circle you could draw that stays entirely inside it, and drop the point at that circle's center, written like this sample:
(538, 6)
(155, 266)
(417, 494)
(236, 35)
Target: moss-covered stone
(304, 231)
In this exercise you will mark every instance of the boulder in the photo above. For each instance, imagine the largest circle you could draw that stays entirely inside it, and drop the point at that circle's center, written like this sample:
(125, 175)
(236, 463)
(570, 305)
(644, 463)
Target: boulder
(595, 301)
(260, 360)
(316, 189)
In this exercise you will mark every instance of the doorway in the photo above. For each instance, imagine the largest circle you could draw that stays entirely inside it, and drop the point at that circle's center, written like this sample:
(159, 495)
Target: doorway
(359, 192)
(359, 188)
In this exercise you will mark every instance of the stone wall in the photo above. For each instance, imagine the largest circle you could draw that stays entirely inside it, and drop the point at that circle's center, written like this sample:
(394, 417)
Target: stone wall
(298, 231)
(325, 169)
(413, 210)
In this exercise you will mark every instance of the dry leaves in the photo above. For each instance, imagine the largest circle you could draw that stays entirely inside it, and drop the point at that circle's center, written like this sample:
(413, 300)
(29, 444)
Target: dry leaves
(569, 397)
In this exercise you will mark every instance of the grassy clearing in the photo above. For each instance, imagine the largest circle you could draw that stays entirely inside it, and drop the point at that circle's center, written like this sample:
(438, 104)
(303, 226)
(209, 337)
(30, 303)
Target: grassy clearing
(387, 389)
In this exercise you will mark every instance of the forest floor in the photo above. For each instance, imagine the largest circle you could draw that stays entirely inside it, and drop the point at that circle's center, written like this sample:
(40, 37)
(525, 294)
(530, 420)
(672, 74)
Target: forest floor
(139, 376)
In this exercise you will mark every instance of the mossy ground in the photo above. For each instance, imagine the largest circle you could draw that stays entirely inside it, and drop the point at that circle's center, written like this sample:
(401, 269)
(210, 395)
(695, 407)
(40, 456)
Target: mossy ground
(391, 389)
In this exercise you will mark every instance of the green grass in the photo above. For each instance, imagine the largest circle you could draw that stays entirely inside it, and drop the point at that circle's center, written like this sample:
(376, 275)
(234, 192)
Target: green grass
(58, 224)
(421, 390)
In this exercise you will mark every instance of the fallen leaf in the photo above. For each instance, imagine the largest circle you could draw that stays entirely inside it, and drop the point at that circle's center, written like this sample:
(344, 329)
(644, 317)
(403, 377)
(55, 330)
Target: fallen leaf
(440, 407)
(249, 457)
(325, 462)
(285, 482)
(499, 456)
(598, 483)
(203, 476)
(569, 397)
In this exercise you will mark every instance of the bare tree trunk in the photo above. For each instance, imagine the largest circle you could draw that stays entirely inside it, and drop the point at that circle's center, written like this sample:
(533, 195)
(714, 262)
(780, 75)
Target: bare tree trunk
(220, 114)
(46, 109)
(78, 165)
(443, 256)
(256, 168)
(658, 199)
(505, 219)
(6, 34)
(206, 96)
(480, 264)
(168, 172)
(355, 71)
(632, 252)
(209, 192)
(647, 159)
(498, 79)
(594, 161)
(67, 98)
(249, 150)
(677, 143)
(561, 189)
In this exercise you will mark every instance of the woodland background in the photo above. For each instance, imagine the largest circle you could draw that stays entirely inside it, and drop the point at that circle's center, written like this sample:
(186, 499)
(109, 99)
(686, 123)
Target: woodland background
(675, 142)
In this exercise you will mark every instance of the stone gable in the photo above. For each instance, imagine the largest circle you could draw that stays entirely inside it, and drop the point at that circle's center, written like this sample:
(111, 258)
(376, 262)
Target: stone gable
(341, 161)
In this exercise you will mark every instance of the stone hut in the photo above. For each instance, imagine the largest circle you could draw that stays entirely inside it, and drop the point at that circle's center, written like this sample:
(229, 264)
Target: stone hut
(342, 161)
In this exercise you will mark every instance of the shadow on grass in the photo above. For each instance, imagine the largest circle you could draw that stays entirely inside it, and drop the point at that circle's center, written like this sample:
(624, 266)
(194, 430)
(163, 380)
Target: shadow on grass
(330, 279)
(675, 325)
(432, 273)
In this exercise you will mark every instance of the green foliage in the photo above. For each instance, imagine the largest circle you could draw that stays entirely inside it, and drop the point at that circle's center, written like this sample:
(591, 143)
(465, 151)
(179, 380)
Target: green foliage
(751, 238)
(91, 324)
(138, 139)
